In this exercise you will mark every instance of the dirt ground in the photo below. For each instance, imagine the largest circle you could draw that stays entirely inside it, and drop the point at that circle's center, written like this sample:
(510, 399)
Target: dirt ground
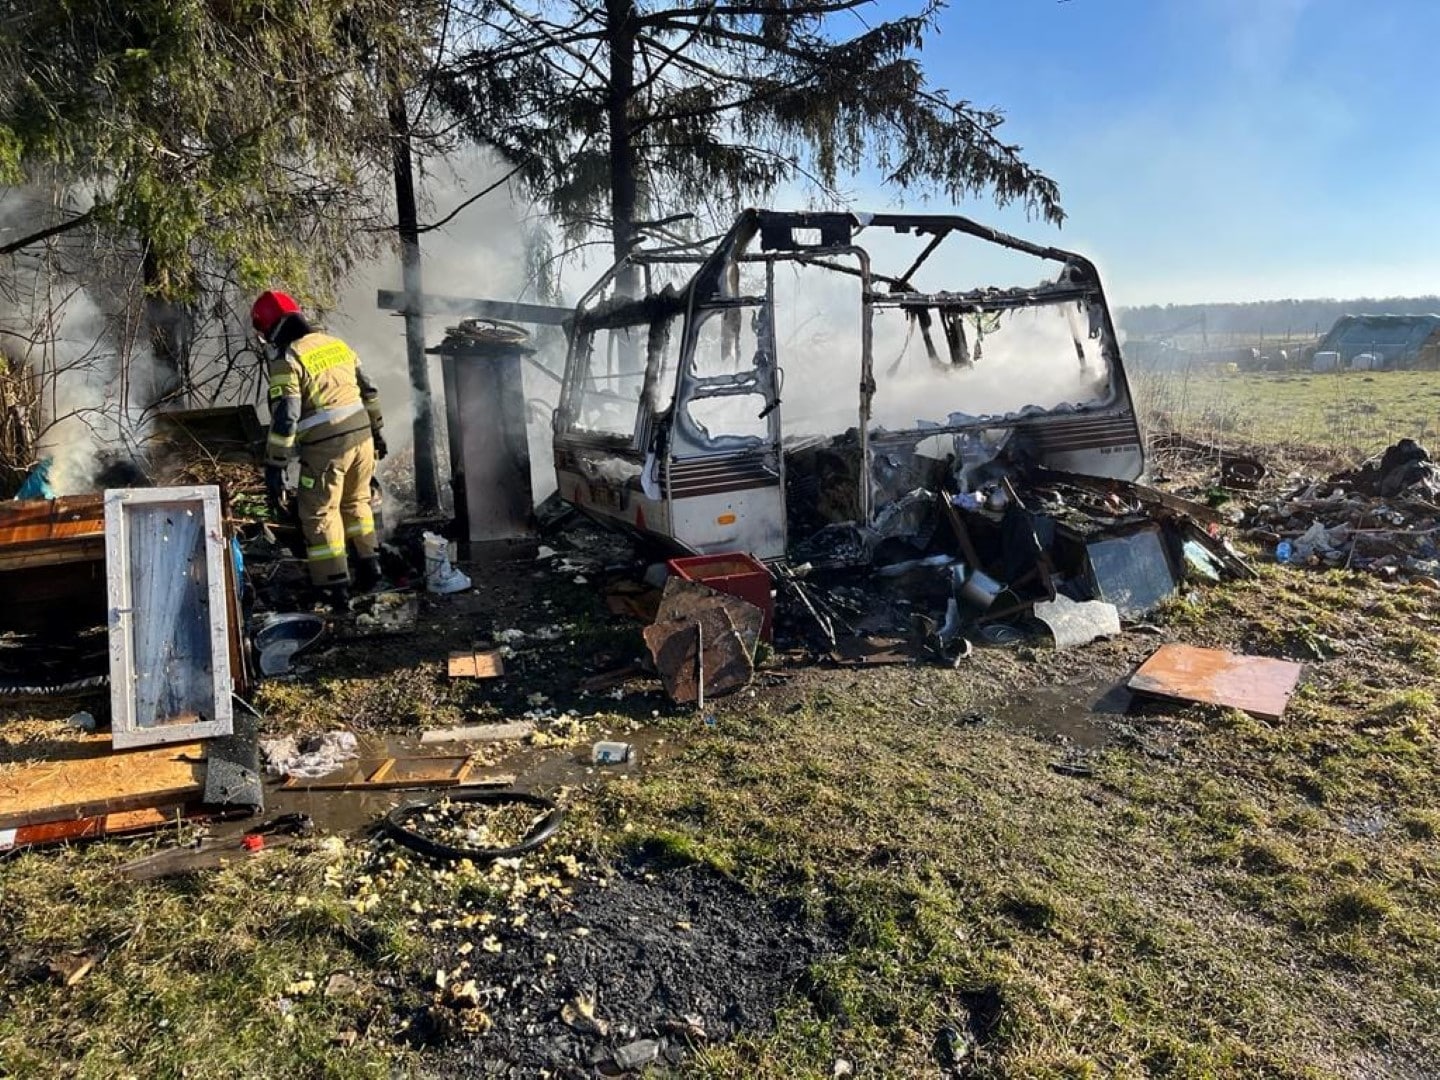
(1005, 869)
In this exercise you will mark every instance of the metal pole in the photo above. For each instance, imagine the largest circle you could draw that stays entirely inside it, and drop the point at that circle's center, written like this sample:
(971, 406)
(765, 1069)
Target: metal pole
(427, 484)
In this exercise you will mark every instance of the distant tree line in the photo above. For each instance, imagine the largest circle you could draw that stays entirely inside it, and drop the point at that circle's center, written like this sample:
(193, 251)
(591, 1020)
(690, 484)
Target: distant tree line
(1270, 318)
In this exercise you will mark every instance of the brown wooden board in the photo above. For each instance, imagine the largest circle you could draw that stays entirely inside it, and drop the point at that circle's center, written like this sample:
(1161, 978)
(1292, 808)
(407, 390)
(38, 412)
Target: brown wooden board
(392, 774)
(121, 823)
(1257, 685)
(85, 779)
(488, 664)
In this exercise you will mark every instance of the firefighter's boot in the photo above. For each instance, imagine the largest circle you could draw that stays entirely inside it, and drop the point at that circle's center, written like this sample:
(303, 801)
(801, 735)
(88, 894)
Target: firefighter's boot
(367, 574)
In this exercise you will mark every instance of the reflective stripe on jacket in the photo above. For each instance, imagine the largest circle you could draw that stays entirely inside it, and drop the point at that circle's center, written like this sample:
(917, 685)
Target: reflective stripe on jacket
(317, 386)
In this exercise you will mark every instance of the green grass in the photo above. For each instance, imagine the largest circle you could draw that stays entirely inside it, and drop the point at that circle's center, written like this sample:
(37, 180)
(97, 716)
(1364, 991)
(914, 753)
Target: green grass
(1348, 414)
(1223, 897)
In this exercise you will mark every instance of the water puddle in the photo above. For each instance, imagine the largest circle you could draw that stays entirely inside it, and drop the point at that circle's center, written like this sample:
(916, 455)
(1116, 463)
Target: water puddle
(543, 770)
(1071, 713)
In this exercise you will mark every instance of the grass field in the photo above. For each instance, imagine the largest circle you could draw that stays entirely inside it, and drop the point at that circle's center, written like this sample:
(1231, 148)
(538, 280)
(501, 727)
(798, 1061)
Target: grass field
(1218, 897)
(1208, 896)
(1349, 414)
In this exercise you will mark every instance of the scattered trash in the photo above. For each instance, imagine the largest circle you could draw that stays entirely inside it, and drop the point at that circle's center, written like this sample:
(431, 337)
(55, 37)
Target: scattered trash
(637, 1054)
(1382, 518)
(69, 968)
(476, 665)
(611, 753)
(316, 756)
(382, 614)
(579, 1013)
(440, 576)
(1256, 685)
(341, 985)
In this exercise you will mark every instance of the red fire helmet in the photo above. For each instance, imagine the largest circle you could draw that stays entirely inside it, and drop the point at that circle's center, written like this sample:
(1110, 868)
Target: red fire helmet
(270, 309)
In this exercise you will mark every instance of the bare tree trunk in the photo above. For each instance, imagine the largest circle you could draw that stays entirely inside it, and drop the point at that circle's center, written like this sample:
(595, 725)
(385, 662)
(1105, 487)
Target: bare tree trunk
(427, 481)
(624, 190)
(170, 328)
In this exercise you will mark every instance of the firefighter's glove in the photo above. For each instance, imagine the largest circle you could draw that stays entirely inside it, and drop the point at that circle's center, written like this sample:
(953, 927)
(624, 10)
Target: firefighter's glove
(274, 488)
(380, 448)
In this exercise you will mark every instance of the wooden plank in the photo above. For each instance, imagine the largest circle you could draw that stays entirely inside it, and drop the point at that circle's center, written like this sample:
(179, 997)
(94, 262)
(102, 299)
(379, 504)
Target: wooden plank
(521, 729)
(382, 772)
(170, 676)
(488, 664)
(48, 532)
(92, 780)
(40, 521)
(124, 823)
(432, 304)
(1257, 685)
(404, 773)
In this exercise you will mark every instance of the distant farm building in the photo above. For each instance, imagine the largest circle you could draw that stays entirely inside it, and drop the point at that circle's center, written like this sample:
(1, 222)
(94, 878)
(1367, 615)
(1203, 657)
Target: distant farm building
(1381, 342)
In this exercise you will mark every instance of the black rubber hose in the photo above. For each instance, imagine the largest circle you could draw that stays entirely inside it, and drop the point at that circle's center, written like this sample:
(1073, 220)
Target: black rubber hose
(395, 824)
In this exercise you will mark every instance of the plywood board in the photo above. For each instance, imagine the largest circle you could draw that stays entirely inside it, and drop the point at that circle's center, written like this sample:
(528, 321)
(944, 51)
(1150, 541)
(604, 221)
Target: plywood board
(170, 675)
(1257, 685)
(476, 665)
(92, 780)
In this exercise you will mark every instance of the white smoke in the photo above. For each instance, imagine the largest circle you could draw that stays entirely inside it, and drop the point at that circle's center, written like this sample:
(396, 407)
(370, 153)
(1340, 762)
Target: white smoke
(52, 327)
(479, 254)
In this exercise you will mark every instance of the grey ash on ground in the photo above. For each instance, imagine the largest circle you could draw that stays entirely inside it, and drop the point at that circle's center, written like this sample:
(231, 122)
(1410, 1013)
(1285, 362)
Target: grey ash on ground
(678, 957)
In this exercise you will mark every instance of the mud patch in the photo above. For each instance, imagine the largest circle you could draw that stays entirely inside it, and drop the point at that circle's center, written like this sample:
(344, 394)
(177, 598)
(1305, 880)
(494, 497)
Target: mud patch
(677, 957)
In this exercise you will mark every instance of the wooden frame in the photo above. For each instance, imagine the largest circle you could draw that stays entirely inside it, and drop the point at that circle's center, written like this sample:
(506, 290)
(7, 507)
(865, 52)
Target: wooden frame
(169, 617)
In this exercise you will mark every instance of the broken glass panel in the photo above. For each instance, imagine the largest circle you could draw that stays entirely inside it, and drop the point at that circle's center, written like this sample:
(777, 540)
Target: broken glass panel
(608, 398)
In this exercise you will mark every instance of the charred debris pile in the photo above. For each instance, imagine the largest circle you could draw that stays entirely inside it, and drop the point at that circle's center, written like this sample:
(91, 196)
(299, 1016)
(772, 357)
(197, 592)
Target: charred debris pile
(1383, 518)
(1044, 555)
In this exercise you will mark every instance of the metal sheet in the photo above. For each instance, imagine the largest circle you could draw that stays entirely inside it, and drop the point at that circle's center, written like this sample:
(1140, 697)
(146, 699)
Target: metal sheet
(725, 662)
(1257, 685)
(1074, 623)
(489, 445)
(1132, 572)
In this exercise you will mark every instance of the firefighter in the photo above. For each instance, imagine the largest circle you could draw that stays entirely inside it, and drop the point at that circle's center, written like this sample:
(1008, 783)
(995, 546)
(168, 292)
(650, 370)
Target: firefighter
(323, 406)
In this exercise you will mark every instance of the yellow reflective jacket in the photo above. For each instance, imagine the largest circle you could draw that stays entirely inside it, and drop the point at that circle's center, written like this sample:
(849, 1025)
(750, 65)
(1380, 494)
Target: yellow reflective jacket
(317, 393)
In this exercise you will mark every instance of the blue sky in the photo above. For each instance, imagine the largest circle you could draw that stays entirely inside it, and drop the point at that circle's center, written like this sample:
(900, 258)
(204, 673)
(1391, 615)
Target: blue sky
(1217, 149)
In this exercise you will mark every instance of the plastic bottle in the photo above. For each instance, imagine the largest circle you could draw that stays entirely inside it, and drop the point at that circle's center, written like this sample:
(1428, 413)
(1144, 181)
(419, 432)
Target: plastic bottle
(1283, 551)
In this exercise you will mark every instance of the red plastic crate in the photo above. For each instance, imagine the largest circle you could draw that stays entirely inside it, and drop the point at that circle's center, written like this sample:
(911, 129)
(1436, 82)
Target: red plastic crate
(735, 574)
